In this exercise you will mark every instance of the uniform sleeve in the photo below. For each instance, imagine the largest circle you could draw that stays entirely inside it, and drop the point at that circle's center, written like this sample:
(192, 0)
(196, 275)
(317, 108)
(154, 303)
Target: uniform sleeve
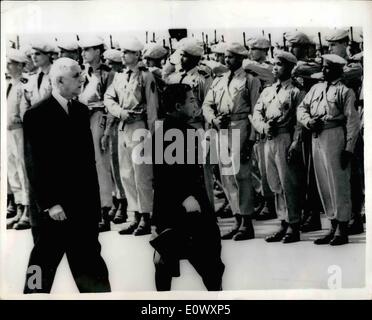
(254, 87)
(352, 120)
(297, 99)
(24, 104)
(353, 71)
(207, 107)
(258, 119)
(303, 110)
(152, 101)
(111, 99)
(110, 117)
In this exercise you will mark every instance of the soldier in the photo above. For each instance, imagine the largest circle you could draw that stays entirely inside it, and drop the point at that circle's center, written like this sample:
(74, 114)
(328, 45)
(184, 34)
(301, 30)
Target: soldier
(68, 49)
(36, 88)
(260, 67)
(98, 77)
(275, 117)
(298, 44)
(219, 50)
(154, 54)
(133, 99)
(118, 211)
(227, 105)
(352, 77)
(17, 177)
(328, 111)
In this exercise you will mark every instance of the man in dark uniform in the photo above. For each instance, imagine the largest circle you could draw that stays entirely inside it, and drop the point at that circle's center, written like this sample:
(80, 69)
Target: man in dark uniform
(62, 173)
(186, 226)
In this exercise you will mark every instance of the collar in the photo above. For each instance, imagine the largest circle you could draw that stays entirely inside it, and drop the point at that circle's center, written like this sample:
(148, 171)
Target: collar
(134, 70)
(237, 72)
(61, 100)
(335, 81)
(284, 84)
(45, 72)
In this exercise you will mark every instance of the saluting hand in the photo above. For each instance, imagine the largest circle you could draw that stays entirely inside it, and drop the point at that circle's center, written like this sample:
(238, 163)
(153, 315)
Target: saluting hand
(57, 213)
(104, 143)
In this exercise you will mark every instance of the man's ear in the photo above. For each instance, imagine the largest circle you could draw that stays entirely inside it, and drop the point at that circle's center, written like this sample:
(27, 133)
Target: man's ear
(178, 106)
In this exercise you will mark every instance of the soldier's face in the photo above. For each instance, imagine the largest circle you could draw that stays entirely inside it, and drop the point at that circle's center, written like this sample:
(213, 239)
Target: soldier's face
(130, 57)
(331, 72)
(220, 57)
(90, 54)
(189, 108)
(39, 59)
(71, 82)
(257, 54)
(30, 64)
(282, 70)
(150, 63)
(74, 55)
(14, 68)
(187, 62)
(337, 48)
(233, 61)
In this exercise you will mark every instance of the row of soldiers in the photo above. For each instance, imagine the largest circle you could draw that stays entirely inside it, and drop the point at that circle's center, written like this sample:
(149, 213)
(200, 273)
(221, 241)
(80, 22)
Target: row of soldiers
(299, 120)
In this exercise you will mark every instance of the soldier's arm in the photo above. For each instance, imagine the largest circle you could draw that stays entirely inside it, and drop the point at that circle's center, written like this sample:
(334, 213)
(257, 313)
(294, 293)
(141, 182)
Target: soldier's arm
(353, 71)
(303, 110)
(110, 117)
(152, 101)
(297, 99)
(254, 90)
(352, 120)
(24, 104)
(258, 120)
(208, 106)
(111, 100)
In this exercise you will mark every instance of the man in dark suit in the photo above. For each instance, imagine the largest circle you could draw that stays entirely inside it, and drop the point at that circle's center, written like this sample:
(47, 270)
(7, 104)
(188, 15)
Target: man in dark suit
(64, 180)
(185, 223)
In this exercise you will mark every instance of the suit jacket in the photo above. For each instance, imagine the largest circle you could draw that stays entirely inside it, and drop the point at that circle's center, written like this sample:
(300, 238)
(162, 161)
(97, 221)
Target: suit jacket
(61, 162)
(173, 183)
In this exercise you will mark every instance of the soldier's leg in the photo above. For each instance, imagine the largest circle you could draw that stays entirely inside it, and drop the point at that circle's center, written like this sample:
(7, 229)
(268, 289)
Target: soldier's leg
(289, 180)
(273, 179)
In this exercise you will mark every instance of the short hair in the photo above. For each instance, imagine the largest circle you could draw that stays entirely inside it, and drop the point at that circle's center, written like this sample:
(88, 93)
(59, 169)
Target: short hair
(174, 93)
(61, 66)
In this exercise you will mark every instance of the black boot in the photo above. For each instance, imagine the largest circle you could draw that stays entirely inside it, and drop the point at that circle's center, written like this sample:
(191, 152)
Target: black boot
(144, 226)
(293, 233)
(329, 236)
(133, 225)
(341, 236)
(121, 215)
(224, 211)
(278, 236)
(104, 225)
(11, 210)
(235, 228)
(114, 208)
(356, 225)
(24, 222)
(246, 230)
(268, 212)
(312, 222)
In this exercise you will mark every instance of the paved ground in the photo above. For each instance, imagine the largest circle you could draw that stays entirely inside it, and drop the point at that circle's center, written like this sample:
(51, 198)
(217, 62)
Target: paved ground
(252, 264)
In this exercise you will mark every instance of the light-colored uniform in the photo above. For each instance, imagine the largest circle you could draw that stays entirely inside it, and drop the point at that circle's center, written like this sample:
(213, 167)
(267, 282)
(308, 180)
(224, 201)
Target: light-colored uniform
(236, 99)
(335, 106)
(138, 94)
(96, 83)
(279, 102)
(17, 176)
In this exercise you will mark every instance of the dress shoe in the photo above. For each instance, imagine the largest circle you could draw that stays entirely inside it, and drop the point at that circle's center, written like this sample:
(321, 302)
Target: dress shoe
(356, 226)
(24, 222)
(114, 208)
(11, 210)
(268, 212)
(224, 211)
(339, 240)
(291, 237)
(312, 223)
(144, 226)
(104, 225)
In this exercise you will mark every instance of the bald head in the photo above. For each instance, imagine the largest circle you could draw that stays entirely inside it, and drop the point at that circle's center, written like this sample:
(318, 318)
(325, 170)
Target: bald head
(65, 75)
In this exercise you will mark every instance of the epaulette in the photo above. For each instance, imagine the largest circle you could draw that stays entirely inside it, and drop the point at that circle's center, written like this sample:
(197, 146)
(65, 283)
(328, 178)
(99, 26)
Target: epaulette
(143, 68)
(24, 80)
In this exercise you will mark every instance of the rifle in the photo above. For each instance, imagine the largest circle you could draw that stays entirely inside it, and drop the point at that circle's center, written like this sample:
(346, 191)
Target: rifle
(245, 44)
(206, 44)
(153, 37)
(77, 38)
(320, 43)
(351, 34)
(271, 47)
(170, 45)
(215, 36)
(284, 43)
(111, 45)
(147, 36)
(222, 38)
(263, 33)
(17, 42)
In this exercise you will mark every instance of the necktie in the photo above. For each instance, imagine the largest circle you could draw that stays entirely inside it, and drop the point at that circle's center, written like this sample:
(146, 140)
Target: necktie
(183, 77)
(129, 72)
(328, 85)
(40, 79)
(90, 71)
(69, 106)
(8, 89)
(278, 87)
(231, 76)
